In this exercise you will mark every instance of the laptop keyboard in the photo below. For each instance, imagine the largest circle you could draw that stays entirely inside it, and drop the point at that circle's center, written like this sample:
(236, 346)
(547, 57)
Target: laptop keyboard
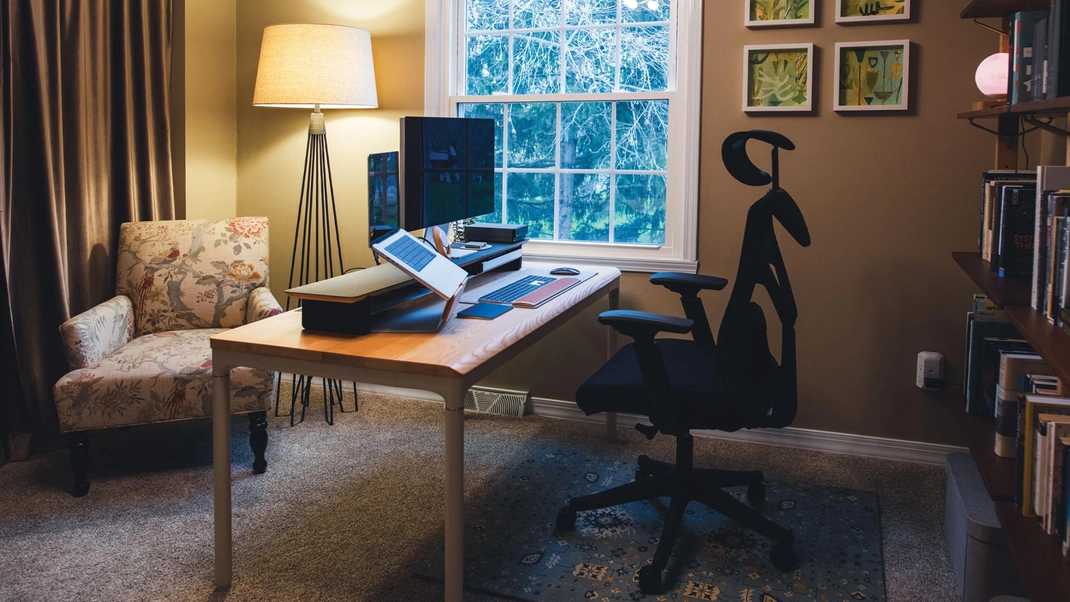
(411, 253)
(517, 289)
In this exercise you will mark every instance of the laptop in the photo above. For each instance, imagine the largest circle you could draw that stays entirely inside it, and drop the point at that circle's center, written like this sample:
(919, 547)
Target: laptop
(430, 269)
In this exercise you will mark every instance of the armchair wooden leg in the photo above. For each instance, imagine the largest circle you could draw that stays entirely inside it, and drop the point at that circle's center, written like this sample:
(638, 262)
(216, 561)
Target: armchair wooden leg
(258, 439)
(79, 448)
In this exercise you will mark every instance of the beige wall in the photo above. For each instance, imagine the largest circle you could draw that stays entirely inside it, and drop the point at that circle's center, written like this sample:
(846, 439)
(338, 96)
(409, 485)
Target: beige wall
(271, 141)
(211, 133)
(887, 198)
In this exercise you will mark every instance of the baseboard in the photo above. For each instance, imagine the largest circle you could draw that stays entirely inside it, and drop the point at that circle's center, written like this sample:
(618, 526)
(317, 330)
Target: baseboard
(840, 443)
(798, 438)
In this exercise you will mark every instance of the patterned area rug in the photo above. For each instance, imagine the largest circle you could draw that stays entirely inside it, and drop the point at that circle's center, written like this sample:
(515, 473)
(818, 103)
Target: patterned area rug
(511, 549)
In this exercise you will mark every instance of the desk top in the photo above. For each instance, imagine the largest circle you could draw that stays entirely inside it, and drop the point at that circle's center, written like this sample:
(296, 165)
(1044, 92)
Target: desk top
(461, 346)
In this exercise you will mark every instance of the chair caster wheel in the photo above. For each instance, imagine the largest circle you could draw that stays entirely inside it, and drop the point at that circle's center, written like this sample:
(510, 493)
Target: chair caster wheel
(640, 474)
(756, 496)
(649, 580)
(783, 557)
(79, 489)
(566, 519)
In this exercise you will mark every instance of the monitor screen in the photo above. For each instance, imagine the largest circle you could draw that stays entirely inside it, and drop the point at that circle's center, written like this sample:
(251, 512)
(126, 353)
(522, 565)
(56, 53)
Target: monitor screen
(446, 170)
(382, 195)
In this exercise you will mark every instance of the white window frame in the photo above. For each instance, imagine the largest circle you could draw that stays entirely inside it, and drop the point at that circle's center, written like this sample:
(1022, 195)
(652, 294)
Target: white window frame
(679, 253)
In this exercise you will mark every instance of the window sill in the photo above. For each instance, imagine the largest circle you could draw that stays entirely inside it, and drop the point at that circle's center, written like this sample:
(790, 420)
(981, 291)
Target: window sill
(649, 265)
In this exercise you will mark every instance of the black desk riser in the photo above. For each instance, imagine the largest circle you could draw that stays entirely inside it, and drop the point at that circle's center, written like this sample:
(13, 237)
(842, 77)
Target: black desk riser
(359, 317)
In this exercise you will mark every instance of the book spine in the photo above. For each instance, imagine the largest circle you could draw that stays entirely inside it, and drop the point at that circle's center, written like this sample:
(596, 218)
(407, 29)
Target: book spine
(1007, 409)
(1038, 245)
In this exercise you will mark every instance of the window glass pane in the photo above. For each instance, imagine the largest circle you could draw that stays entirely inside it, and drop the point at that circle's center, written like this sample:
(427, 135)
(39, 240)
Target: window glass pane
(639, 209)
(590, 12)
(531, 202)
(488, 64)
(643, 135)
(585, 135)
(583, 209)
(589, 60)
(493, 111)
(532, 135)
(645, 11)
(529, 14)
(537, 63)
(496, 217)
(644, 58)
(488, 14)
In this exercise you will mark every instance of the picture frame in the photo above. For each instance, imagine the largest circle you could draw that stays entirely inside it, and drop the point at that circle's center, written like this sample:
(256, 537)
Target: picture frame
(872, 76)
(872, 11)
(778, 13)
(773, 77)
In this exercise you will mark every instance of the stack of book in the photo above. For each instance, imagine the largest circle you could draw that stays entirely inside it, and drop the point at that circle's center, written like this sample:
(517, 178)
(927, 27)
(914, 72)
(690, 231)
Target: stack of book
(1042, 483)
(1008, 221)
(1040, 52)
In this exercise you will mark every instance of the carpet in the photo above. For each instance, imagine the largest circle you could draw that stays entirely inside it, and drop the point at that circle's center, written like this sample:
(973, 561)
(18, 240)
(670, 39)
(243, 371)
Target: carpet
(511, 549)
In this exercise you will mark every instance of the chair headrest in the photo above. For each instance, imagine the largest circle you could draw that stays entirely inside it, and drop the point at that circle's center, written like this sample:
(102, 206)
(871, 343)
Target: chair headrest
(734, 155)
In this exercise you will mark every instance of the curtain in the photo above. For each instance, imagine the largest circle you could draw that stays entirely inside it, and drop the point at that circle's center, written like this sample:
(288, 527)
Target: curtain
(86, 146)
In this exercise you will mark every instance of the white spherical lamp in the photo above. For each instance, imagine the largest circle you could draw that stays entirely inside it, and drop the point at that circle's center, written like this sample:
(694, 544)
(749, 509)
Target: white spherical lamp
(991, 75)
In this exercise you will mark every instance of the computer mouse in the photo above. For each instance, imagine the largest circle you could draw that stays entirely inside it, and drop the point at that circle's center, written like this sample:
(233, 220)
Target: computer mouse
(565, 271)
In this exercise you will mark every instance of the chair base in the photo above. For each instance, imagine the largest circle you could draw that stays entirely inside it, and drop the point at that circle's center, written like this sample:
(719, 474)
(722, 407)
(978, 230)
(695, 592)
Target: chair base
(684, 484)
(79, 452)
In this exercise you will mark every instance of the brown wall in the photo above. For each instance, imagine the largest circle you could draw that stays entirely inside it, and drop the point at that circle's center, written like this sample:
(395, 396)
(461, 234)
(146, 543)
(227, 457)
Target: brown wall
(887, 198)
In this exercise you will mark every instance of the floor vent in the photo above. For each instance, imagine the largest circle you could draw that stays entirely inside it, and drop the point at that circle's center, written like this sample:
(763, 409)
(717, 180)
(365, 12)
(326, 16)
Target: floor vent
(497, 401)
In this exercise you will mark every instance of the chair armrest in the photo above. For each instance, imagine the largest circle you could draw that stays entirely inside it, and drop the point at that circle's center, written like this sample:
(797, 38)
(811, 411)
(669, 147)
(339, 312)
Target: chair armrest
(262, 304)
(98, 332)
(688, 284)
(642, 325)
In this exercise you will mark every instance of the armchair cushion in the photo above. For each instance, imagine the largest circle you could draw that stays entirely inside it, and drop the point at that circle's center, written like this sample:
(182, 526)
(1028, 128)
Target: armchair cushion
(191, 274)
(262, 304)
(95, 334)
(155, 378)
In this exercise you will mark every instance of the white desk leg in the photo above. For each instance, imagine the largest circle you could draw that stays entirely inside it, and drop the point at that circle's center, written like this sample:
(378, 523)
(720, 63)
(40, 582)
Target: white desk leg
(455, 493)
(611, 348)
(221, 471)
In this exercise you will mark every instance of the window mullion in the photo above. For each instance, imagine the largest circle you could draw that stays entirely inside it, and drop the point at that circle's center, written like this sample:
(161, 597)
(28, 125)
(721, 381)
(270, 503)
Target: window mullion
(505, 160)
(557, 172)
(612, 167)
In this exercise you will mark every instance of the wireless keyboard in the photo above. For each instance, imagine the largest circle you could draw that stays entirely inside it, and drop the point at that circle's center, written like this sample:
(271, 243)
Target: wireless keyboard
(516, 289)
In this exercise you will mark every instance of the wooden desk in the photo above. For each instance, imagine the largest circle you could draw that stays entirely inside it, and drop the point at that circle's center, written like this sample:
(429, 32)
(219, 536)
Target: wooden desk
(447, 363)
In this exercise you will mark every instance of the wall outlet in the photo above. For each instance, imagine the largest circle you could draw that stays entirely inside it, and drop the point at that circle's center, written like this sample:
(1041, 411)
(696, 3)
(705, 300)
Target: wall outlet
(930, 374)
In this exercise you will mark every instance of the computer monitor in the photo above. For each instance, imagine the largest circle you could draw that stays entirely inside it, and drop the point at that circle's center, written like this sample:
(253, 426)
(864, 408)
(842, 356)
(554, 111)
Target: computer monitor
(383, 214)
(444, 172)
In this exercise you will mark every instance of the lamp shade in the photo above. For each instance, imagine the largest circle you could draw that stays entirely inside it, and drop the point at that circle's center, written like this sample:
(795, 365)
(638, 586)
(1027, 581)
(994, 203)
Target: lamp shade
(302, 65)
(991, 75)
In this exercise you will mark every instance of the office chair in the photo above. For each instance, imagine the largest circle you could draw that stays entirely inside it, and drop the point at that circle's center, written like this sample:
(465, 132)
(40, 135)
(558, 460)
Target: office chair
(727, 385)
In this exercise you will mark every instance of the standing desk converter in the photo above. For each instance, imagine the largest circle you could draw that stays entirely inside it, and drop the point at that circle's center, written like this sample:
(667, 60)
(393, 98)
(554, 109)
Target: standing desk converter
(446, 363)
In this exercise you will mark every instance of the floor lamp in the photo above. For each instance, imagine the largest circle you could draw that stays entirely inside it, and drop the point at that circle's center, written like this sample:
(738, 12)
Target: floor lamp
(319, 67)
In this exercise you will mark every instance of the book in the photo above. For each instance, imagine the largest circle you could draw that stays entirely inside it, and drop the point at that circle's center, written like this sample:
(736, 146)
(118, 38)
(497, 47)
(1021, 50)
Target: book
(991, 350)
(1050, 178)
(982, 325)
(1058, 50)
(1058, 253)
(1040, 59)
(1052, 428)
(1018, 224)
(1028, 410)
(1020, 81)
(989, 180)
(1012, 368)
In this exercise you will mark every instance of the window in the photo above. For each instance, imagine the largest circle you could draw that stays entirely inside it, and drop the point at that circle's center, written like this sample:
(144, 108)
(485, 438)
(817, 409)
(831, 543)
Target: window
(595, 102)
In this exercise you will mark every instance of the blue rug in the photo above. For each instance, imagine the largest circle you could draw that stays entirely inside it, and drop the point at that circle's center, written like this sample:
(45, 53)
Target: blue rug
(511, 549)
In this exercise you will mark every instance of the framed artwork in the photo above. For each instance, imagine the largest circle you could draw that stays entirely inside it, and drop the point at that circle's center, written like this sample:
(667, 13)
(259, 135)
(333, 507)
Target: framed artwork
(774, 13)
(873, 76)
(872, 11)
(776, 77)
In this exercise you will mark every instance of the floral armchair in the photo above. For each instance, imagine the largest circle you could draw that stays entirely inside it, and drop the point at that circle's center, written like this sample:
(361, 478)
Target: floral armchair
(144, 355)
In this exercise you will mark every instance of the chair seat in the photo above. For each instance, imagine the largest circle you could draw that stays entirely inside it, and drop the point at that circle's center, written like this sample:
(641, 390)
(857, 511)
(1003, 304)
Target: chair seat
(697, 389)
(155, 378)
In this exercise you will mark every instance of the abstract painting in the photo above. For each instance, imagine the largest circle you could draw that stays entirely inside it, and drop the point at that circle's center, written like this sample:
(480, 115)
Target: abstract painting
(777, 77)
(774, 13)
(865, 11)
(873, 76)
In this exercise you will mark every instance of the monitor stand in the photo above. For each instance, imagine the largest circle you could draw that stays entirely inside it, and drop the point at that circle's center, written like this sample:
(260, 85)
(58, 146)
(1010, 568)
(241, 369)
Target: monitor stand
(421, 316)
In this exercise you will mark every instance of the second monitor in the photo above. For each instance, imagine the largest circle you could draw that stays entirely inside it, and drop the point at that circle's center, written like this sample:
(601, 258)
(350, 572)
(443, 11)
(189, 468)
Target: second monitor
(443, 173)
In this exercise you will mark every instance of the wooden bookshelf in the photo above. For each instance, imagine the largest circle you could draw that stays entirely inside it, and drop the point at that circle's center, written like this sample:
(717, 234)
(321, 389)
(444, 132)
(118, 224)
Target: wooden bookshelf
(1002, 291)
(1046, 338)
(1052, 107)
(996, 472)
(980, 9)
(1041, 564)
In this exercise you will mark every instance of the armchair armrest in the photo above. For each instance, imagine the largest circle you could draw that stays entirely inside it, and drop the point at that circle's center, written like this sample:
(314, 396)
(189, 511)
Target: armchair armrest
(642, 325)
(98, 332)
(688, 284)
(262, 304)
